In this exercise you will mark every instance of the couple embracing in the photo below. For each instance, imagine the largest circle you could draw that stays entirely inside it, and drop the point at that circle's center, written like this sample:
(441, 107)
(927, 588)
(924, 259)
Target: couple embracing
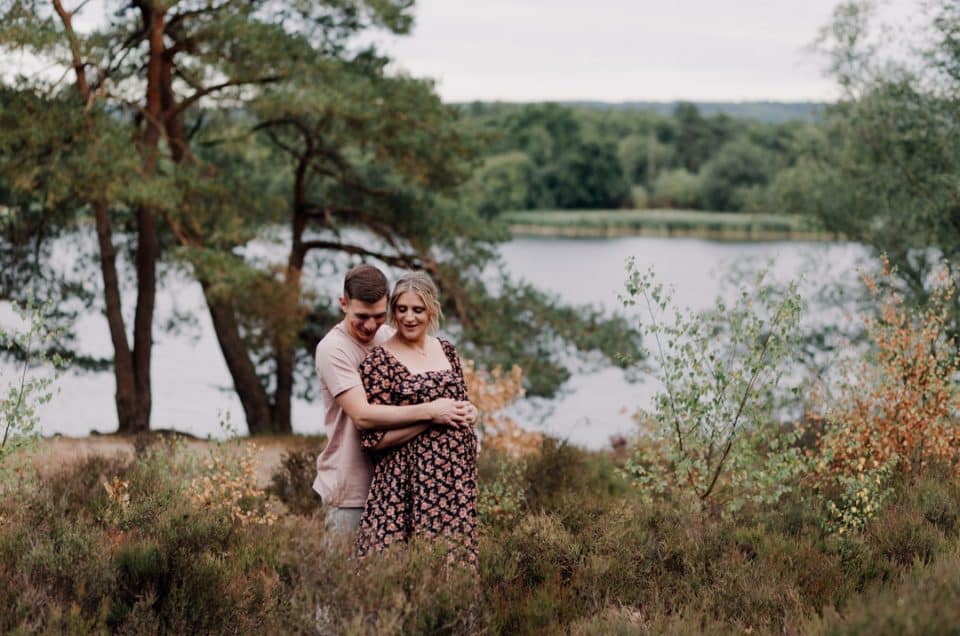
(401, 454)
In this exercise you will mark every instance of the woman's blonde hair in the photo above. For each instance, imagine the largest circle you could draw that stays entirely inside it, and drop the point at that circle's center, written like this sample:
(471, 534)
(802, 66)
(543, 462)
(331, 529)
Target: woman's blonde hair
(421, 284)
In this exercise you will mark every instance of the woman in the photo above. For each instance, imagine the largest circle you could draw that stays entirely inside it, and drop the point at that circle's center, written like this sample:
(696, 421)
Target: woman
(427, 486)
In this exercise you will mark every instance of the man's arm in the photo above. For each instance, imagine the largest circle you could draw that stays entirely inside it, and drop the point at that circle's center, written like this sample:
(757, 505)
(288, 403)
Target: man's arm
(398, 436)
(381, 417)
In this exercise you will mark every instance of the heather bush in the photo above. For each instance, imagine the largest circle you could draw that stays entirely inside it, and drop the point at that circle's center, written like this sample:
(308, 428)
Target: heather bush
(115, 544)
(501, 497)
(108, 545)
(292, 481)
(919, 601)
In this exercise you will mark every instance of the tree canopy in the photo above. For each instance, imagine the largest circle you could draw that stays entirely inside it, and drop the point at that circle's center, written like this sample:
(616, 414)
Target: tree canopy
(190, 131)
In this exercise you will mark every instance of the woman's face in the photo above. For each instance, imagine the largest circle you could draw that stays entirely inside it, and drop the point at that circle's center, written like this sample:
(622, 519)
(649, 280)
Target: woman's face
(411, 316)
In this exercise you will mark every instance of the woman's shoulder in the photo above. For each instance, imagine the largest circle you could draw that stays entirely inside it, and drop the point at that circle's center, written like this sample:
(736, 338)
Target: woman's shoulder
(450, 352)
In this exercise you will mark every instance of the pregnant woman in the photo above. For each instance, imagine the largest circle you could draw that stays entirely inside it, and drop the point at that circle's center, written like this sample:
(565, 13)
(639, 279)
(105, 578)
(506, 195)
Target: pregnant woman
(427, 486)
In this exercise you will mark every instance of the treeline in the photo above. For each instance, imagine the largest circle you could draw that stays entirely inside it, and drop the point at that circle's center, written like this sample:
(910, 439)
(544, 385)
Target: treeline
(554, 156)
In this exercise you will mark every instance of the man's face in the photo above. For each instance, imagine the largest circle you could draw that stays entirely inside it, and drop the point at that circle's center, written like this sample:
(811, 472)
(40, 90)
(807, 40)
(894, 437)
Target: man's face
(363, 319)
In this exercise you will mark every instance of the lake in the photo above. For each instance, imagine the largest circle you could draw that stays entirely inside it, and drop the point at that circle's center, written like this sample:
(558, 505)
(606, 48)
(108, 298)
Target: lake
(192, 388)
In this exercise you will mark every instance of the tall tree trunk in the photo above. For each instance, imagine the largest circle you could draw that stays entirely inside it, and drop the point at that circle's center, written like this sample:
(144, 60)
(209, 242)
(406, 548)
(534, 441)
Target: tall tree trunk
(284, 352)
(148, 245)
(281, 415)
(125, 397)
(253, 397)
(131, 368)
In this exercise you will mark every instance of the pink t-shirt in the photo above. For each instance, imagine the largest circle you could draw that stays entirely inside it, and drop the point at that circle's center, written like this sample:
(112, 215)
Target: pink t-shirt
(343, 470)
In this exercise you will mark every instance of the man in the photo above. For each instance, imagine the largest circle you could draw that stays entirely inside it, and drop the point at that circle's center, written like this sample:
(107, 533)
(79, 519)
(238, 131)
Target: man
(344, 471)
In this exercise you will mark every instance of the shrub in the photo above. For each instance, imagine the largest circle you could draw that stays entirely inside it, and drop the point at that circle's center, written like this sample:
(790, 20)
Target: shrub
(676, 189)
(229, 485)
(24, 391)
(894, 411)
(292, 481)
(639, 197)
(501, 498)
(712, 436)
(491, 391)
(898, 406)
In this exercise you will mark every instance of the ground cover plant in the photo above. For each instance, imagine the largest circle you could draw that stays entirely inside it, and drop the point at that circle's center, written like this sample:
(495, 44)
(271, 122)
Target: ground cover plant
(584, 554)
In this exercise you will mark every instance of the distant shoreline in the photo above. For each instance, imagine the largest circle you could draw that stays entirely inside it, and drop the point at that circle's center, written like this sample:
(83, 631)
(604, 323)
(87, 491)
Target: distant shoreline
(720, 226)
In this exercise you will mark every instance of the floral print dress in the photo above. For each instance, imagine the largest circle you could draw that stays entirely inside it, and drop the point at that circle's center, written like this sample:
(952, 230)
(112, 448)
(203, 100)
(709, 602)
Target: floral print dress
(426, 487)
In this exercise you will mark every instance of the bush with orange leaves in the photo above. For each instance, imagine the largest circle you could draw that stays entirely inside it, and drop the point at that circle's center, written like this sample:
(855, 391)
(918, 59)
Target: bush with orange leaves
(896, 410)
(501, 497)
(491, 392)
(900, 404)
(229, 485)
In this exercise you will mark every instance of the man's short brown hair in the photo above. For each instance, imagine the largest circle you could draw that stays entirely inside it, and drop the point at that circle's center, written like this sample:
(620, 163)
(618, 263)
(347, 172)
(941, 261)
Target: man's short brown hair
(365, 283)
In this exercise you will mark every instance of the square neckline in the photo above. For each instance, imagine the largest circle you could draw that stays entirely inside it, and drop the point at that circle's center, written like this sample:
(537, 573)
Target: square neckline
(410, 371)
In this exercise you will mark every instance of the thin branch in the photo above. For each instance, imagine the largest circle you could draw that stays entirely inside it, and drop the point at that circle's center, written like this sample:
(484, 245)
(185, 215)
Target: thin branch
(673, 405)
(23, 384)
(195, 13)
(743, 403)
(66, 17)
(200, 94)
(196, 125)
(403, 260)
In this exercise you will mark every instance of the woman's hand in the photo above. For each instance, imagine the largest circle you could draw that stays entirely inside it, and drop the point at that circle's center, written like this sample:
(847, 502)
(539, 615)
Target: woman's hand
(455, 413)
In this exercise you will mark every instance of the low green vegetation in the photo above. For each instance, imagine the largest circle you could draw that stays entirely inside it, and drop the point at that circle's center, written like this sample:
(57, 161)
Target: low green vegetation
(719, 225)
(581, 554)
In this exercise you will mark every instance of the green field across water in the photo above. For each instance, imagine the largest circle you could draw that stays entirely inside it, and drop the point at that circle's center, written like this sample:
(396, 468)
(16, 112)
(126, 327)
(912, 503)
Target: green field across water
(736, 226)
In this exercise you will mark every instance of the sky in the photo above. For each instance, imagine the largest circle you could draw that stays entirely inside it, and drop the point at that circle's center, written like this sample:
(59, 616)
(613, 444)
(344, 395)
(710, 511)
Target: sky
(609, 50)
(623, 50)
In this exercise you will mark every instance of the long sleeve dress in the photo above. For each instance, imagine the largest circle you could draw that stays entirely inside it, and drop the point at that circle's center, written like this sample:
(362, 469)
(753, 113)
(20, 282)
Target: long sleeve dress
(426, 487)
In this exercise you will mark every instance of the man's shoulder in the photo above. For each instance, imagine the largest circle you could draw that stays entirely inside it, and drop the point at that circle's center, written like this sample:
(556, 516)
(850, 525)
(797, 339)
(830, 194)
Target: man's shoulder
(335, 342)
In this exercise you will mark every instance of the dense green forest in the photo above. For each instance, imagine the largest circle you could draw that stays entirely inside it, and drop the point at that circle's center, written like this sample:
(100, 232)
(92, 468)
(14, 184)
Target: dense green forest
(557, 156)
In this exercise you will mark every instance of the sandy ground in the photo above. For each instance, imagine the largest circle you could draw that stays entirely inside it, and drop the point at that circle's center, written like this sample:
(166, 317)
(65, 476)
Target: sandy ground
(53, 452)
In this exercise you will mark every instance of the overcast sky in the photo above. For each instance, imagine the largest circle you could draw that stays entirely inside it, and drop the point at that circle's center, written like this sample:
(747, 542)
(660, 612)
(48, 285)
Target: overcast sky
(620, 50)
(609, 50)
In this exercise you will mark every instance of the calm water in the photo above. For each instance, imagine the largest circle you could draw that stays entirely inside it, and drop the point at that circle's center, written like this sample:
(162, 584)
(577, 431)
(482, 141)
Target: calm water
(192, 388)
